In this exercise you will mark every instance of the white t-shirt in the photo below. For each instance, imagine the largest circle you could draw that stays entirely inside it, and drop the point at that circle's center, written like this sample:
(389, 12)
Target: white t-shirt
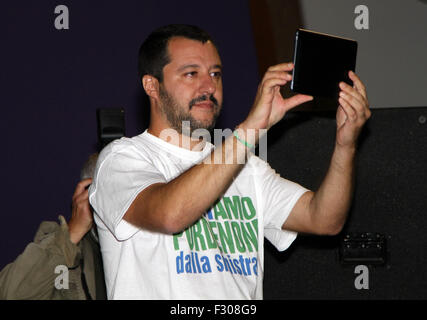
(220, 257)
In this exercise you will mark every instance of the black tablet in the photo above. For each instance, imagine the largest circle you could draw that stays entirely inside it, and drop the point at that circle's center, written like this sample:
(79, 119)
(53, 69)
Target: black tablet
(321, 62)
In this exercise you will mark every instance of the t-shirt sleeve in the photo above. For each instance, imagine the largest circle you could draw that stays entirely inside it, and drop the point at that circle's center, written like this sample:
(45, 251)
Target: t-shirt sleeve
(280, 196)
(119, 177)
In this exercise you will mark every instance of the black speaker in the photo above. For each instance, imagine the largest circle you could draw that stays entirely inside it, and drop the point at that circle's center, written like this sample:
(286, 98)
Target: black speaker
(111, 125)
(389, 206)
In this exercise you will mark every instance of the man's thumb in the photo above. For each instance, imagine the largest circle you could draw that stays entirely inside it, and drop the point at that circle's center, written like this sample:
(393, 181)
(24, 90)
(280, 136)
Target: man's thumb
(296, 100)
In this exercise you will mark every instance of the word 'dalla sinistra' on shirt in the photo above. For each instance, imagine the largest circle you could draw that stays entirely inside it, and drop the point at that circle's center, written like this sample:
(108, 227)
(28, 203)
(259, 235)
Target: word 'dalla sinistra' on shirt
(230, 230)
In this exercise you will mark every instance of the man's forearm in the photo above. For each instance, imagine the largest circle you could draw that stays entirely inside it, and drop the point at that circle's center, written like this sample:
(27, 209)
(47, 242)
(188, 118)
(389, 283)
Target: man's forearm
(332, 200)
(171, 207)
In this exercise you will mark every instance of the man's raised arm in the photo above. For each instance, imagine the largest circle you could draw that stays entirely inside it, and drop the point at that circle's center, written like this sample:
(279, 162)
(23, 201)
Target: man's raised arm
(325, 211)
(172, 207)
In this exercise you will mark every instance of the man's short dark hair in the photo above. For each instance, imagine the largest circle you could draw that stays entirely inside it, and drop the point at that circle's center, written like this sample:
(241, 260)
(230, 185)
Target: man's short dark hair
(153, 53)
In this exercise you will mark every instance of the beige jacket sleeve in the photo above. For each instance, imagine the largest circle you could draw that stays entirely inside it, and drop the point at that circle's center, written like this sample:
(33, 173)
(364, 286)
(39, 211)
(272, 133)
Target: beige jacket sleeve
(32, 275)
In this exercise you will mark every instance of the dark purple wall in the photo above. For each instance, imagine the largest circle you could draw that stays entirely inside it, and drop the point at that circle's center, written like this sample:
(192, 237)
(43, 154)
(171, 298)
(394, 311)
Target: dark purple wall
(52, 82)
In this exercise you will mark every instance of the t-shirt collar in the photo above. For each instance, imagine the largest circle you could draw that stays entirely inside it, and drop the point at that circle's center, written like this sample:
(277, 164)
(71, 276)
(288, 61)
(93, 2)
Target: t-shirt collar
(178, 151)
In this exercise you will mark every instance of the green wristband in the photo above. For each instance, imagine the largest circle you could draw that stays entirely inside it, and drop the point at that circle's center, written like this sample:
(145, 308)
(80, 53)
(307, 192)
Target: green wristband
(247, 144)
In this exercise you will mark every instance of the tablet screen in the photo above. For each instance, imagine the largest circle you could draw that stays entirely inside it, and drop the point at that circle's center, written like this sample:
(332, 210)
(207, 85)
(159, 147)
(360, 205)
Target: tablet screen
(321, 61)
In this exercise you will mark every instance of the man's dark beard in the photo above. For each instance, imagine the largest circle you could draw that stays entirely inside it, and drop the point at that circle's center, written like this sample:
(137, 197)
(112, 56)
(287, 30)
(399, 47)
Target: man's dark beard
(176, 115)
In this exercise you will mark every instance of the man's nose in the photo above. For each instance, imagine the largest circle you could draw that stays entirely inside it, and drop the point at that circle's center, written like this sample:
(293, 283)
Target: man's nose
(207, 85)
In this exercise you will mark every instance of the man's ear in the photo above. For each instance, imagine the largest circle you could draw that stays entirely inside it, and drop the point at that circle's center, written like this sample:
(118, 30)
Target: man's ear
(151, 86)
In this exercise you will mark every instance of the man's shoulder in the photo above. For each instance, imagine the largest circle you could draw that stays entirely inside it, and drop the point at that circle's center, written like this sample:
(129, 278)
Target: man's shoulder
(126, 146)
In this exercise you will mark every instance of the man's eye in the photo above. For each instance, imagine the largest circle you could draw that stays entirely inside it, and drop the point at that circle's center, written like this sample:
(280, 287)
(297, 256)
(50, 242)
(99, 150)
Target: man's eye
(216, 74)
(191, 74)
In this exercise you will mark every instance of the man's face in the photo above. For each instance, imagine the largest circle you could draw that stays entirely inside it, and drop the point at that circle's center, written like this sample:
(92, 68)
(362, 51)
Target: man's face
(192, 84)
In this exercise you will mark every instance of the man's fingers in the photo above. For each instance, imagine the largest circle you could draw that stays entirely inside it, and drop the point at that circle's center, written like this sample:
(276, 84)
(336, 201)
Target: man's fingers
(270, 84)
(81, 186)
(352, 91)
(354, 101)
(81, 200)
(358, 84)
(277, 74)
(350, 112)
(83, 196)
(287, 66)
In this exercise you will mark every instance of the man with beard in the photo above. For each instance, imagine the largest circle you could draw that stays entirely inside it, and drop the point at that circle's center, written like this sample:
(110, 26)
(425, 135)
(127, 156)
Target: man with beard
(181, 219)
